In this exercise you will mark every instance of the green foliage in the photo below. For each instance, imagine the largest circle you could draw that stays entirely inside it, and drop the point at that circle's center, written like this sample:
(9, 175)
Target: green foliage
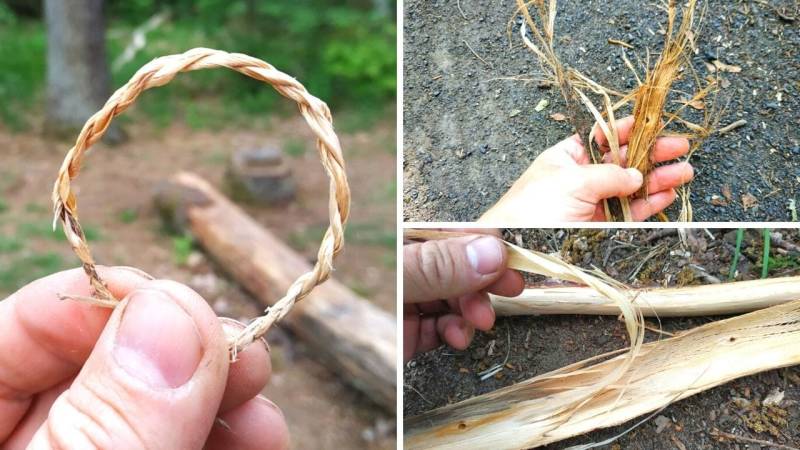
(294, 148)
(43, 229)
(36, 208)
(3, 206)
(27, 268)
(182, 247)
(7, 17)
(128, 216)
(364, 233)
(780, 262)
(10, 244)
(22, 71)
(343, 53)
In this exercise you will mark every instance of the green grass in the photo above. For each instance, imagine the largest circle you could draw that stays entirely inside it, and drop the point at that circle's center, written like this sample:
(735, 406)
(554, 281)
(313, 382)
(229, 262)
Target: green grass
(24, 269)
(128, 216)
(765, 257)
(3, 206)
(736, 254)
(295, 148)
(357, 233)
(36, 208)
(182, 247)
(10, 244)
(43, 229)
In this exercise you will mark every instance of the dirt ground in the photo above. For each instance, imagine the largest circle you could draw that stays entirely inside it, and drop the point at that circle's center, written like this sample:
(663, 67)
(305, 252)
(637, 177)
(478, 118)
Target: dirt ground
(115, 200)
(640, 258)
(470, 122)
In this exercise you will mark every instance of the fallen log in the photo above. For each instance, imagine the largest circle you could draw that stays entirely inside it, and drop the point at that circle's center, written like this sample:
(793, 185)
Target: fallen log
(541, 410)
(353, 337)
(708, 300)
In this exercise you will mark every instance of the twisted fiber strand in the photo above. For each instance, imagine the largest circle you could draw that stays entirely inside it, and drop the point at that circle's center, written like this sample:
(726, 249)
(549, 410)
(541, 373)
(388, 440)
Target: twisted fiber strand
(161, 71)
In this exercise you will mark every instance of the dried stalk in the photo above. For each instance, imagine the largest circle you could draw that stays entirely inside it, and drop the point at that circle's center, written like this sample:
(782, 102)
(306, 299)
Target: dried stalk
(708, 300)
(652, 95)
(649, 97)
(161, 71)
(527, 414)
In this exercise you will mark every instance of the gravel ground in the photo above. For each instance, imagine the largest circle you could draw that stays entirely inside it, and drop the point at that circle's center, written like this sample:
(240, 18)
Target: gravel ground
(468, 134)
(536, 345)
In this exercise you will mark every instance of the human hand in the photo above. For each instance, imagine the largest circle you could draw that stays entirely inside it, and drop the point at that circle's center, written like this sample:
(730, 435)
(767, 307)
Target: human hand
(152, 373)
(445, 290)
(562, 186)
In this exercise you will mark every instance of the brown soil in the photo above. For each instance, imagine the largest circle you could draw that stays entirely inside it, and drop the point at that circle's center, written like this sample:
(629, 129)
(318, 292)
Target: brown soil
(116, 182)
(535, 345)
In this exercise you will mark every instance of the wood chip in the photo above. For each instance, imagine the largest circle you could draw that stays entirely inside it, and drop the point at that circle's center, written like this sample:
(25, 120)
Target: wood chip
(716, 200)
(620, 43)
(733, 126)
(697, 104)
(749, 201)
(722, 67)
(514, 113)
(558, 117)
(680, 445)
(542, 104)
(726, 192)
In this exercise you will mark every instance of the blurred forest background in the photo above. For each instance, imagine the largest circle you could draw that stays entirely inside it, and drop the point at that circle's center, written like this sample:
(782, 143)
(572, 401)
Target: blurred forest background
(343, 52)
(61, 60)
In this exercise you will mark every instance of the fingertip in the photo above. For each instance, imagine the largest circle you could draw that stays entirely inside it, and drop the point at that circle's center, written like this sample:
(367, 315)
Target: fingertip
(257, 424)
(642, 209)
(477, 310)
(669, 147)
(635, 176)
(251, 371)
(457, 333)
(624, 126)
(510, 284)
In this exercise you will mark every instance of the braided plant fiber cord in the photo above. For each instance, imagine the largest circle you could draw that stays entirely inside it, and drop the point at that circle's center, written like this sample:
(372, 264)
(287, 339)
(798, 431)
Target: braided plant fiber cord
(161, 71)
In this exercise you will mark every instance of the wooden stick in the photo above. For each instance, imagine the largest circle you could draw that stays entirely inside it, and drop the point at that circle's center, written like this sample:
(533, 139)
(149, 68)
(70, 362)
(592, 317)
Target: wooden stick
(530, 413)
(356, 339)
(728, 298)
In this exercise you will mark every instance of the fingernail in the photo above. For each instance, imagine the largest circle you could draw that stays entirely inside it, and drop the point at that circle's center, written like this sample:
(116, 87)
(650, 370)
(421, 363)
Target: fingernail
(485, 255)
(232, 328)
(269, 403)
(635, 175)
(157, 341)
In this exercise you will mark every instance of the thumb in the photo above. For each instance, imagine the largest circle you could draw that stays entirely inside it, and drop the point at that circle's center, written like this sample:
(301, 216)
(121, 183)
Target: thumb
(155, 378)
(450, 268)
(602, 181)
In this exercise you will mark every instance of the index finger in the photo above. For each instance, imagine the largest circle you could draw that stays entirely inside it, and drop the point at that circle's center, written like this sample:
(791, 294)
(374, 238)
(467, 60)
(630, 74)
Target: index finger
(624, 127)
(46, 340)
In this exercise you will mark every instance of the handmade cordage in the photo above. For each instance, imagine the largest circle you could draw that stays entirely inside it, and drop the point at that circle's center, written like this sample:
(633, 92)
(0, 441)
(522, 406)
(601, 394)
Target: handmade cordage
(161, 71)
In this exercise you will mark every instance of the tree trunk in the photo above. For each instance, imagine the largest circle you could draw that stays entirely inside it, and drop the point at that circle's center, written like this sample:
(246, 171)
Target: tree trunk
(78, 78)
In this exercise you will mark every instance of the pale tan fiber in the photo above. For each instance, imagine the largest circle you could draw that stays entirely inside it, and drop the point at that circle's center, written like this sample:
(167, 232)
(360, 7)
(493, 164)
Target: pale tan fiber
(616, 387)
(716, 299)
(526, 414)
(549, 266)
(161, 71)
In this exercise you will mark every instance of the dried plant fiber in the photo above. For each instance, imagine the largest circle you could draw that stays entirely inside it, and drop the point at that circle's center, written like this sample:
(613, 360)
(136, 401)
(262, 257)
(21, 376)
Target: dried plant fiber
(707, 300)
(530, 413)
(161, 71)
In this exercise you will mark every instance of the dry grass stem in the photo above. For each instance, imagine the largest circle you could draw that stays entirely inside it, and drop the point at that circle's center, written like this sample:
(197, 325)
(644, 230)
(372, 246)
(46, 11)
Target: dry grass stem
(161, 71)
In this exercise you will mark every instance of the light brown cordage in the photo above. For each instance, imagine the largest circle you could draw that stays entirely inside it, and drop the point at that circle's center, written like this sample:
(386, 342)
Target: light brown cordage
(161, 71)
